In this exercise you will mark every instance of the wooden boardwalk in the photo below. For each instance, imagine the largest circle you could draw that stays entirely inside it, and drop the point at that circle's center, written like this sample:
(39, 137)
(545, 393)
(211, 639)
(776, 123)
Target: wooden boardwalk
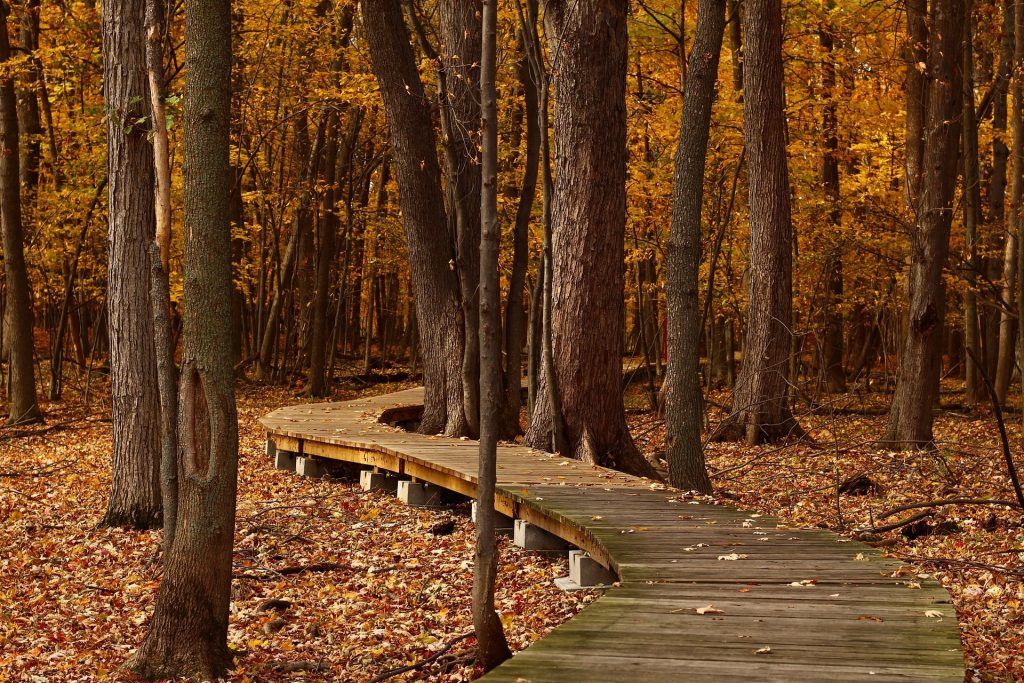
(789, 604)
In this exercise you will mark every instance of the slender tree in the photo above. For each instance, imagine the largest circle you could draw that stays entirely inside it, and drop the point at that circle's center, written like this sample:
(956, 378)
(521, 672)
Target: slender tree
(492, 648)
(933, 134)
(684, 414)
(23, 406)
(973, 215)
(760, 408)
(188, 634)
(135, 495)
(588, 48)
(434, 282)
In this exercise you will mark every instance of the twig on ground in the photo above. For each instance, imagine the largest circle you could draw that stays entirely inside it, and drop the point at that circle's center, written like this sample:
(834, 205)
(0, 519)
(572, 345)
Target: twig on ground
(947, 501)
(897, 525)
(422, 663)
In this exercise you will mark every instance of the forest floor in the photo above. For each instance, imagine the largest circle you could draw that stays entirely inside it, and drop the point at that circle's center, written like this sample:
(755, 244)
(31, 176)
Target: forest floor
(368, 586)
(975, 551)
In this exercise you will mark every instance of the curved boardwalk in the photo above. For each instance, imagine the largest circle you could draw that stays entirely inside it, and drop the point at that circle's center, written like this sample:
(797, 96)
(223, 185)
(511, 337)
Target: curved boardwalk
(789, 604)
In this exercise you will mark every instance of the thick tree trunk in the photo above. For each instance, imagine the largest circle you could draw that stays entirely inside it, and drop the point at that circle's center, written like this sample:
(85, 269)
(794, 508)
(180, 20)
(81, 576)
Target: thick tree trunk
(492, 648)
(460, 37)
(188, 634)
(684, 414)
(588, 317)
(760, 410)
(135, 496)
(917, 384)
(434, 282)
(23, 406)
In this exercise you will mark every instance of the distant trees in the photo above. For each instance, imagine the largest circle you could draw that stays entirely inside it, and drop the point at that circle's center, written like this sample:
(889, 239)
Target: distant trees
(188, 634)
(135, 496)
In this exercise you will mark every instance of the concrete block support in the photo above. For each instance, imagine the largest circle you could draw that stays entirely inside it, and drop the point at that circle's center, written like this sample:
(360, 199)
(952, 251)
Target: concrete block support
(377, 481)
(531, 537)
(503, 524)
(283, 460)
(306, 466)
(418, 494)
(585, 571)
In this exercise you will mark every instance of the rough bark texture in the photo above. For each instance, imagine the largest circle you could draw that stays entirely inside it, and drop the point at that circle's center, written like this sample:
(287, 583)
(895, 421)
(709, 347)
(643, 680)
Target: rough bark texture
(760, 410)
(460, 38)
(135, 496)
(188, 634)
(917, 384)
(434, 282)
(492, 647)
(684, 415)
(23, 407)
(588, 226)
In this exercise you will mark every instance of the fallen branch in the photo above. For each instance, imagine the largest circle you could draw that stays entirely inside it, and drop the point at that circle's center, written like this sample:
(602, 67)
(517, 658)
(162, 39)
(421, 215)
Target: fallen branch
(896, 525)
(948, 501)
(422, 663)
(317, 567)
(917, 559)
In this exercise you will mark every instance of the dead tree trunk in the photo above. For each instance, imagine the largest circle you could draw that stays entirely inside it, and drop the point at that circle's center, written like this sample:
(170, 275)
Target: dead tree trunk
(684, 414)
(760, 409)
(434, 282)
(931, 192)
(588, 233)
(188, 634)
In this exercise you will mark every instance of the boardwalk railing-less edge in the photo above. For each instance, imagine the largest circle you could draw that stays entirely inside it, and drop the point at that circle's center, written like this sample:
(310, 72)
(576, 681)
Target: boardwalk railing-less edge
(786, 604)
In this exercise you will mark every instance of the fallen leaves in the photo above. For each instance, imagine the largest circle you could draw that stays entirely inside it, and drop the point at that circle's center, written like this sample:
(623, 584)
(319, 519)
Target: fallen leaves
(710, 609)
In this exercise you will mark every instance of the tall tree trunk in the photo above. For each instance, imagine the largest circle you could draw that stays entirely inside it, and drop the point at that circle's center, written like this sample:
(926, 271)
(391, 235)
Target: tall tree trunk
(760, 409)
(832, 344)
(434, 282)
(1008, 322)
(515, 317)
(973, 215)
(188, 634)
(28, 99)
(684, 414)
(135, 495)
(492, 648)
(917, 384)
(588, 231)
(23, 406)
(460, 37)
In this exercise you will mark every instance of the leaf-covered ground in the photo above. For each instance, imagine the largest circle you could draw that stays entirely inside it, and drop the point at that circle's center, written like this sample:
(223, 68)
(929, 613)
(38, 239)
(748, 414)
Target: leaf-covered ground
(372, 589)
(975, 551)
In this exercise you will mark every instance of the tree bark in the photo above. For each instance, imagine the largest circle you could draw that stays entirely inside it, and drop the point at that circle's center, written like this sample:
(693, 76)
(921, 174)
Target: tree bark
(684, 414)
(23, 406)
(973, 215)
(434, 282)
(832, 342)
(492, 648)
(460, 37)
(135, 495)
(188, 634)
(917, 383)
(760, 410)
(588, 234)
